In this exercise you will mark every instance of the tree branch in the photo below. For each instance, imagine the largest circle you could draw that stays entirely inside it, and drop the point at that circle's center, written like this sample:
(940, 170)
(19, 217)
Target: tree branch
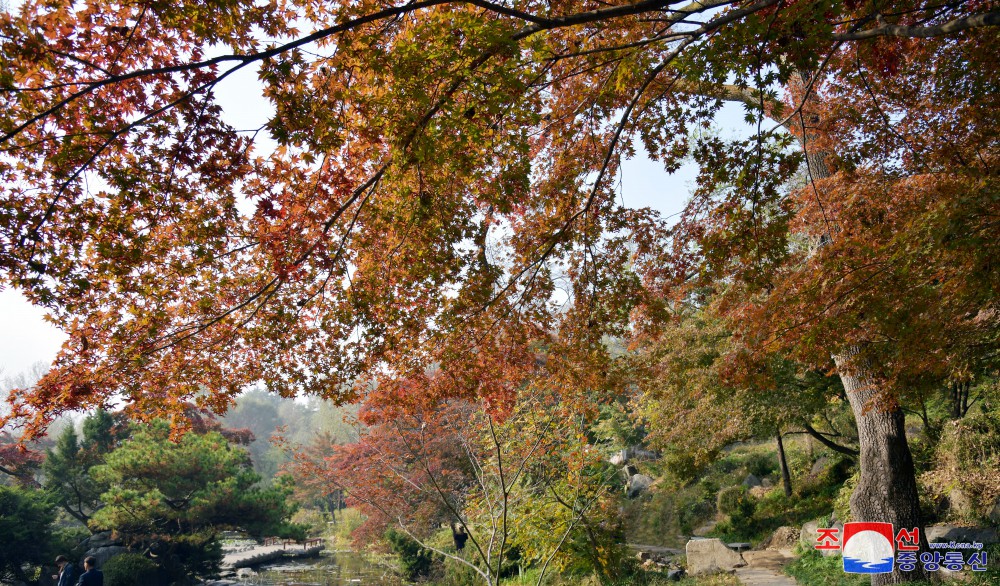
(826, 442)
(991, 18)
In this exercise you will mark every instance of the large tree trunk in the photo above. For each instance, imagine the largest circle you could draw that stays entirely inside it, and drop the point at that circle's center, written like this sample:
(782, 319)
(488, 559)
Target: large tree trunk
(887, 489)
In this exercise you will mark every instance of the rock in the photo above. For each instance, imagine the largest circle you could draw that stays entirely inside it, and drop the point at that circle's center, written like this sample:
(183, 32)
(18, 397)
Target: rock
(632, 453)
(751, 481)
(103, 554)
(819, 466)
(675, 575)
(705, 556)
(704, 529)
(945, 533)
(766, 482)
(783, 539)
(959, 505)
(643, 556)
(637, 484)
(808, 535)
(245, 573)
(97, 540)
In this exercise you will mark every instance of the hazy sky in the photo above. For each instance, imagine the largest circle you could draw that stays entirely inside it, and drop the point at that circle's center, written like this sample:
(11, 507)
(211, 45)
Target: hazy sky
(25, 338)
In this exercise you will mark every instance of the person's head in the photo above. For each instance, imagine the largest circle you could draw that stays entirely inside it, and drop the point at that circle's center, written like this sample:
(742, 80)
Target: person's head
(61, 560)
(90, 563)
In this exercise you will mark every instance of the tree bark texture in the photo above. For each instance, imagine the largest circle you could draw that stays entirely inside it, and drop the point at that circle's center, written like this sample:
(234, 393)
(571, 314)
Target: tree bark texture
(887, 488)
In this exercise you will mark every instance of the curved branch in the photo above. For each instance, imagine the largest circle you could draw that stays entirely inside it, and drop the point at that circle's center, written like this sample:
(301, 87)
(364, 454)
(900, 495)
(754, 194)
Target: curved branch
(826, 442)
(991, 18)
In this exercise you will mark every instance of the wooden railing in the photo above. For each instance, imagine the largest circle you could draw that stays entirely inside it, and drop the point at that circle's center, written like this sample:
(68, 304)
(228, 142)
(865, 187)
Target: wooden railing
(284, 543)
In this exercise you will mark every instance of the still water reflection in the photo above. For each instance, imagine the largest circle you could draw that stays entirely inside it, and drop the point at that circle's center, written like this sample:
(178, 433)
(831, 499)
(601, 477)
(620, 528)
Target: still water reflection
(330, 569)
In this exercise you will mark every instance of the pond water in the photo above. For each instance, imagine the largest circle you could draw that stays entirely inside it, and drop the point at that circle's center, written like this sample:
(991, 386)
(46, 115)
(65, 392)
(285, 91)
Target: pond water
(341, 568)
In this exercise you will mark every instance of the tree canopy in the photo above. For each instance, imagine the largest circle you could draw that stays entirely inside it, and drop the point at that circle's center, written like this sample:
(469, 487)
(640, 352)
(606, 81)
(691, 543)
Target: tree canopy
(443, 166)
(174, 499)
(442, 195)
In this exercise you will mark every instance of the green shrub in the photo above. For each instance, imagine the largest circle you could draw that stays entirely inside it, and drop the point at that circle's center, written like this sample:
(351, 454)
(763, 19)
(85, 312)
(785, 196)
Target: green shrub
(415, 560)
(735, 501)
(842, 502)
(762, 464)
(313, 520)
(812, 569)
(991, 577)
(968, 457)
(665, 515)
(130, 569)
(26, 516)
(971, 442)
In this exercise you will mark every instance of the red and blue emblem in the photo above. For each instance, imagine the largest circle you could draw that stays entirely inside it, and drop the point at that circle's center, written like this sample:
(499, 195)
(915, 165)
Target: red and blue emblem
(868, 548)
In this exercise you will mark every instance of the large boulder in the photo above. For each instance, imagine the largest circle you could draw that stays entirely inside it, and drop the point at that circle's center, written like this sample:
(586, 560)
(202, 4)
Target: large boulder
(751, 481)
(819, 466)
(103, 554)
(809, 533)
(783, 539)
(631, 453)
(637, 484)
(946, 533)
(706, 556)
(97, 540)
(959, 505)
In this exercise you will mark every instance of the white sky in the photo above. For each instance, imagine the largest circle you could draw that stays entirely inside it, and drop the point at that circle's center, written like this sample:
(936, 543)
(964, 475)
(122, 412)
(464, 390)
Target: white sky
(26, 338)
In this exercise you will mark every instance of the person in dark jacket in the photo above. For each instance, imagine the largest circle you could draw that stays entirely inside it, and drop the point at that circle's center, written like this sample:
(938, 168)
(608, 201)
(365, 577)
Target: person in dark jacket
(92, 576)
(67, 572)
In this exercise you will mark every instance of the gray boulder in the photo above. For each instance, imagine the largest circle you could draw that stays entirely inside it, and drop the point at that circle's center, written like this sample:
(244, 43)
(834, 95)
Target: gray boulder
(751, 481)
(97, 540)
(809, 533)
(103, 554)
(819, 466)
(959, 505)
(946, 533)
(706, 556)
(632, 453)
(637, 485)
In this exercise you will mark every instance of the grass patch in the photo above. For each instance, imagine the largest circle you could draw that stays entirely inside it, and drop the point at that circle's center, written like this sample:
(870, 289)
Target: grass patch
(713, 580)
(812, 569)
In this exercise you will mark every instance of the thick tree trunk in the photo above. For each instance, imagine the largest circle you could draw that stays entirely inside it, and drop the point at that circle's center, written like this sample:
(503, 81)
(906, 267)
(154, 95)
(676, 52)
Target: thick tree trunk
(786, 478)
(887, 489)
